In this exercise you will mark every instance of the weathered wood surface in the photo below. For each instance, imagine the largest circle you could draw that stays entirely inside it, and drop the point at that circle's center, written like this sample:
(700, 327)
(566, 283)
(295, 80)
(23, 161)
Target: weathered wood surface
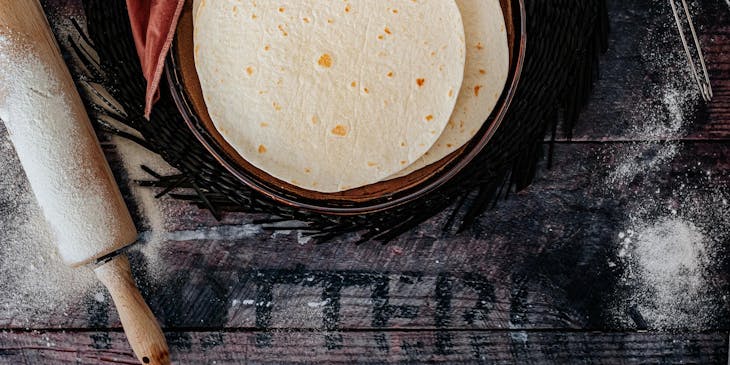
(645, 54)
(466, 347)
(510, 290)
(525, 265)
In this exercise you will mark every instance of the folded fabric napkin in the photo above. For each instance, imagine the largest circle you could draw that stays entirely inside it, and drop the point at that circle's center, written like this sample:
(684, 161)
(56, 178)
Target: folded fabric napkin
(153, 27)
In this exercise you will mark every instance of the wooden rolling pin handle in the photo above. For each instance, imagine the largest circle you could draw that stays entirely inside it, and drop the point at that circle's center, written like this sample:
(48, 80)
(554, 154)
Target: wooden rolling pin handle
(140, 325)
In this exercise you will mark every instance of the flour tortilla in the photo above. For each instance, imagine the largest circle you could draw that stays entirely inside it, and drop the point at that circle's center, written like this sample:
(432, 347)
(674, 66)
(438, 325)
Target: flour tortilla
(485, 74)
(326, 95)
(196, 5)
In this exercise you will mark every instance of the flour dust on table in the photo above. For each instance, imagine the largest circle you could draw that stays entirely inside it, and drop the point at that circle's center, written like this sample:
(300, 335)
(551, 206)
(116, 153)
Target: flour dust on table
(672, 236)
(666, 109)
(158, 218)
(150, 209)
(31, 271)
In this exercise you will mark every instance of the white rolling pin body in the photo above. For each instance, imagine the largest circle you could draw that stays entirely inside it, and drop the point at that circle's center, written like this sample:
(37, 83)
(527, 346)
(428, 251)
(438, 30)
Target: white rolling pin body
(56, 144)
(55, 141)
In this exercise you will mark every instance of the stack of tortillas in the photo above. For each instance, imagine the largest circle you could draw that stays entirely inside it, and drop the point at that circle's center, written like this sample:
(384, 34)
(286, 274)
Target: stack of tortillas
(335, 95)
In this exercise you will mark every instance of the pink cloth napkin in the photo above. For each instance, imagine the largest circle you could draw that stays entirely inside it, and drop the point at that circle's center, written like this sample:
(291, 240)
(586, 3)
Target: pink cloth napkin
(153, 27)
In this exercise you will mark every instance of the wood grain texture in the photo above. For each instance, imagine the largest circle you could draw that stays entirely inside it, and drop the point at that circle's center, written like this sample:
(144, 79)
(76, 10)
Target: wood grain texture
(645, 60)
(466, 347)
(525, 265)
(529, 283)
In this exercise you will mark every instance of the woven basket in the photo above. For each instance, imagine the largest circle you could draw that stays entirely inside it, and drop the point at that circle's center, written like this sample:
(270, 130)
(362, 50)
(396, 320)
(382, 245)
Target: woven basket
(566, 38)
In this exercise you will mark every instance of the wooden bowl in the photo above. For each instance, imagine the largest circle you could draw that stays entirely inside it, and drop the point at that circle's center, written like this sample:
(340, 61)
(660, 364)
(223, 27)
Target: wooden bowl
(187, 93)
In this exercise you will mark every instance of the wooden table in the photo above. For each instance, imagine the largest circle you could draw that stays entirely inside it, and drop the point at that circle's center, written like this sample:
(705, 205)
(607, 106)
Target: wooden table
(536, 280)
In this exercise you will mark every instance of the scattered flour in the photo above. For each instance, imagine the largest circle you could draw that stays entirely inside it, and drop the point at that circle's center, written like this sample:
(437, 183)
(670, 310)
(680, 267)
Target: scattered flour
(156, 216)
(318, 304)
(35, 286)
(672, 232)
(303, 238)
(33, 279)
(100, 297)
(152, 237)
(227, 232)
(660, 126)
(34, 282)
(662, 117)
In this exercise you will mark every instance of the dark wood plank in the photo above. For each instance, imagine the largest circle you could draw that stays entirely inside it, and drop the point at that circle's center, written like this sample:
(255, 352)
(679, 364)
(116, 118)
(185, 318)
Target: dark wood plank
(546, 259)
(464, 347)
(645, 61)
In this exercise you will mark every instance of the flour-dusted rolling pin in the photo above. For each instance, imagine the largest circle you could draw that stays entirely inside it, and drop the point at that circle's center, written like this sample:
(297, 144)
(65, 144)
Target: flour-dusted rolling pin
(65, 166)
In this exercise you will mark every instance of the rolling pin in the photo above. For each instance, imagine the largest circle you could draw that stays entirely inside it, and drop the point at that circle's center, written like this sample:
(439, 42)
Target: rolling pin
(65, 166)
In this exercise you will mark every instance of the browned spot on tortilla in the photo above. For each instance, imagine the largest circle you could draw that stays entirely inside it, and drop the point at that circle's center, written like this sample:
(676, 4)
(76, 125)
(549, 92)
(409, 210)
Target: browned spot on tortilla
(262, 148)
(429, 118)
(283, 32)
(476, 90)
(420, 82)
(325, 60)
(339, 130)
(249, 70)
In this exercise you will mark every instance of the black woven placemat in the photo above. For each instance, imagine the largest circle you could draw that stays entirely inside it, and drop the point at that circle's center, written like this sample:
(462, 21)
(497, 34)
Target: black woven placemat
(564, 41)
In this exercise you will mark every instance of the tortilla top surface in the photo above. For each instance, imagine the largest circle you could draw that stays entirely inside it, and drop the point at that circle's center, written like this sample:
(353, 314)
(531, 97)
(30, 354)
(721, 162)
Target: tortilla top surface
(325, 95)
(485, 74)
